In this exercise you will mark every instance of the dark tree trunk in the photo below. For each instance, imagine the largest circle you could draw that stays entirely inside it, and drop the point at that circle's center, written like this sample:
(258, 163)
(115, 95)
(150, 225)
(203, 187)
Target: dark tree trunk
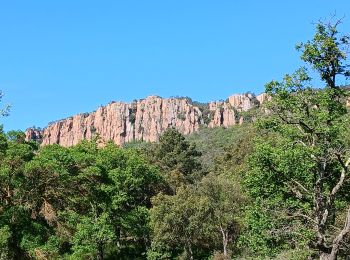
(189, 251)
(99, 252)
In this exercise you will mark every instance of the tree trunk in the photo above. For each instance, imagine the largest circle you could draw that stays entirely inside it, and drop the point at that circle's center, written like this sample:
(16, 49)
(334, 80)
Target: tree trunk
(224, 240)
(99, 252)
(189, 251)
(332, 255)
(339, 239)
(325, 256)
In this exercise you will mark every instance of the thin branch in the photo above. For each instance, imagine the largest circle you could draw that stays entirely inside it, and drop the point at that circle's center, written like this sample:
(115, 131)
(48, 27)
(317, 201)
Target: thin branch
(336, 188)
(341, 179)
(301, 186)
(339, 239)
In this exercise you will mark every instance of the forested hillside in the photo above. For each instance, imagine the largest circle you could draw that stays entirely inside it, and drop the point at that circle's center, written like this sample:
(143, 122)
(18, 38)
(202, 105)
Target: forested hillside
(275, 187)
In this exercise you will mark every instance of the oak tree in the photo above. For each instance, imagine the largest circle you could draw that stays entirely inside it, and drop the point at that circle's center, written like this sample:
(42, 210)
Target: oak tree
(300, 166)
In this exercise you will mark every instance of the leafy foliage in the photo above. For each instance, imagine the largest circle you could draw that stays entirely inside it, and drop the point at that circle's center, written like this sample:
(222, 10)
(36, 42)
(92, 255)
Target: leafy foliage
(299, 168)
(77, 201)
(193, 221)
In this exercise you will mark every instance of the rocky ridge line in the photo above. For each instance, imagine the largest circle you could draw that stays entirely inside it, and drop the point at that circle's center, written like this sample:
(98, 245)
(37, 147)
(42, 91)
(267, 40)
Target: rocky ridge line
(145, 119)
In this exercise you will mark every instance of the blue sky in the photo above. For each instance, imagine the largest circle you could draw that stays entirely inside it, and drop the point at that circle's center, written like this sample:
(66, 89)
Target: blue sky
(59, 58)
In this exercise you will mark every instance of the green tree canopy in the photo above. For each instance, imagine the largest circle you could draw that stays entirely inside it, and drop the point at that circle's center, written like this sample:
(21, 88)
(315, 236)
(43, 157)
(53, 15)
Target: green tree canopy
(299, 176)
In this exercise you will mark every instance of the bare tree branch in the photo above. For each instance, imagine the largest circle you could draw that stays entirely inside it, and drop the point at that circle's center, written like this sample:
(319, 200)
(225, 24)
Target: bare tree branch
(341, 179)
(301, 186)
(339, 239)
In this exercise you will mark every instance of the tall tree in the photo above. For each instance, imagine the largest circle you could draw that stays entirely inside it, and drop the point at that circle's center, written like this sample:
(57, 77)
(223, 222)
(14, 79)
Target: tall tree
(178, 223)
(300, 166)
(110, 213)
(175, 152)
(198, 219)
(177, 158)
(225, 201)
(15, 223)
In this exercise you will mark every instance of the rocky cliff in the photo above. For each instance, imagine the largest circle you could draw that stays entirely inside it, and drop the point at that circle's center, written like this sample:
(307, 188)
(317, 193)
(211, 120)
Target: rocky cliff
(145, 119)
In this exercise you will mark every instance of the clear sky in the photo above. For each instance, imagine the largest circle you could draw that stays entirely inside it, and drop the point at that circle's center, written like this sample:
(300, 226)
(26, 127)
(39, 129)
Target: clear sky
(60, 58)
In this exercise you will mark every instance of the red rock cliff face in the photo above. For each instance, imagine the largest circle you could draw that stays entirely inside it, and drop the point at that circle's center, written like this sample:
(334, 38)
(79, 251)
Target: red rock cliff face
(142, 120)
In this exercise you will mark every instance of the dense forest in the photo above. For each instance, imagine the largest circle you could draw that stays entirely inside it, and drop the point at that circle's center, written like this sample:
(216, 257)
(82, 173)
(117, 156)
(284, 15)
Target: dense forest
(277, 187)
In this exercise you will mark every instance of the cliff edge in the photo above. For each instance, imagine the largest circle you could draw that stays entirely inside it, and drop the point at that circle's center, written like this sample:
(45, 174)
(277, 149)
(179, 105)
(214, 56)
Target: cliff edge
(145, 119)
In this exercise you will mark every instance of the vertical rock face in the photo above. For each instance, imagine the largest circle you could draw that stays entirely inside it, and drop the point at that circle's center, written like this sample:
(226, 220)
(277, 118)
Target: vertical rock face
(34, 134)
(143, 120)
(243, 102)
(223, 114)
(262, 98)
